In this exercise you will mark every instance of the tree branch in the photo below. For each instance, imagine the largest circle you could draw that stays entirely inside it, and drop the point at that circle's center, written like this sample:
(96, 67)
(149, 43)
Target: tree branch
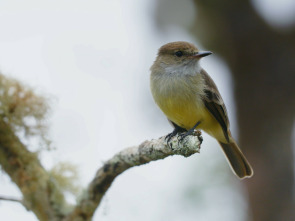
(40, 192)
(134, 156)
(43, 196)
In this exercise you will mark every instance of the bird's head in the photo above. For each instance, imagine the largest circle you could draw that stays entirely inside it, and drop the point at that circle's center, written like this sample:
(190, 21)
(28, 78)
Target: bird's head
(180, 53)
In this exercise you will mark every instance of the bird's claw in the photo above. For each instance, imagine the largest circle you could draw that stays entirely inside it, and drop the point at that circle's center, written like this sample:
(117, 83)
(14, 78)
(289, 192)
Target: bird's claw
(181, 137)
(169, 137)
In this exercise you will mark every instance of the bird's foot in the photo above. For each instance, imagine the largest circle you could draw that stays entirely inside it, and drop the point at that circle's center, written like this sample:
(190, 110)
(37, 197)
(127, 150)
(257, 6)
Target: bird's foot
(169, 137)
(191, 131)
(183, 135)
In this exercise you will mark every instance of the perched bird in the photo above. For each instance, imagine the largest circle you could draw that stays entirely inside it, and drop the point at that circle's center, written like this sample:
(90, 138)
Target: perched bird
(190, 99)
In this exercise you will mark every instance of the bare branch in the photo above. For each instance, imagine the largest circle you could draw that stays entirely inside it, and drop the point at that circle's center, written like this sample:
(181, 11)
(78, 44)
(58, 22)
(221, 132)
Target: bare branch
(11, 199)
(134, 156)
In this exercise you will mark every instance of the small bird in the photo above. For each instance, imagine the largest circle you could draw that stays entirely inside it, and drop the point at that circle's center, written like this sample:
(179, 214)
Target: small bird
(190, 99)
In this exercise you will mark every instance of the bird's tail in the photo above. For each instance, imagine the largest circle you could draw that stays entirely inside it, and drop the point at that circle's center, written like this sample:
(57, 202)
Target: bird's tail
(237, 160)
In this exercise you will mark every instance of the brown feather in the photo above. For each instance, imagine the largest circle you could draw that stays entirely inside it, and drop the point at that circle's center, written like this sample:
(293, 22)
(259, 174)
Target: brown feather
(237, 160)
(215, 104)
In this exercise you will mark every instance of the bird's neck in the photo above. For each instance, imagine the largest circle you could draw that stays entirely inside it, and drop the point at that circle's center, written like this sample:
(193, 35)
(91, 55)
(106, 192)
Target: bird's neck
(183, 70)
(170, 81)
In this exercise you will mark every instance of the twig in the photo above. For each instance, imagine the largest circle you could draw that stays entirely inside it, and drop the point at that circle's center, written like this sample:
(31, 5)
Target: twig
(4, 198)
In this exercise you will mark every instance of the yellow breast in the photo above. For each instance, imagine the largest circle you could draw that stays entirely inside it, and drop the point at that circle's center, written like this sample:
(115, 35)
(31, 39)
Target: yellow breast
(181, 101)
(187, 113)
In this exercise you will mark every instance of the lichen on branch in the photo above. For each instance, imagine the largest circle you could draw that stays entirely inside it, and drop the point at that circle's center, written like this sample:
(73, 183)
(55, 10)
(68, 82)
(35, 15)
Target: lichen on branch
(133, 156)
(23, 110)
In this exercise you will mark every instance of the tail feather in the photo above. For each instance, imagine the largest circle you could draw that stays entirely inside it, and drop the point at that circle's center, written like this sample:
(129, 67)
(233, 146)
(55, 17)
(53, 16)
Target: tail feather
(237, 160)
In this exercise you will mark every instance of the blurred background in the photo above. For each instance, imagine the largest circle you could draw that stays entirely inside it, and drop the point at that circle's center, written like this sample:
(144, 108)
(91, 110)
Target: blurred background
(92, 60)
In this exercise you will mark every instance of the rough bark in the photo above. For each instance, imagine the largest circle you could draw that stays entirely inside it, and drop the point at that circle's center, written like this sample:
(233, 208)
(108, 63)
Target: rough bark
(134, 156)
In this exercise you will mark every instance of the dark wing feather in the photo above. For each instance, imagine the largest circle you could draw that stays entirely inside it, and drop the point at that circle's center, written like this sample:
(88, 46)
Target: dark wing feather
(214, 103)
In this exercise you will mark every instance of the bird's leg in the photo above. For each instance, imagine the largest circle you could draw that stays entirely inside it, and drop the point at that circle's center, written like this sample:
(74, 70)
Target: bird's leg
(172, 134)
(189, 132)
(176, 130)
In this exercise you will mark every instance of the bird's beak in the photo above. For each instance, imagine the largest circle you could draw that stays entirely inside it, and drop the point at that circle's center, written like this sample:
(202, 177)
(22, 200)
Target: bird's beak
(202, 54)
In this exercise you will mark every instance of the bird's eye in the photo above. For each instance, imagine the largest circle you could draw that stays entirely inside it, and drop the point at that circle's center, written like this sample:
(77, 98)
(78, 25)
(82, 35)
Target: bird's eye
(179, 53)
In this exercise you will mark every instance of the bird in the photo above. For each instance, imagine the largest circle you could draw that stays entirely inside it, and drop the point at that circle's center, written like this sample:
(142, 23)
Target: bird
(189, 98)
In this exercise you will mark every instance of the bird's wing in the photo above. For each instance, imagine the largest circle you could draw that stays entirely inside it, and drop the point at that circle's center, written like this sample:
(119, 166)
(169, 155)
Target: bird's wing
(214, 103)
